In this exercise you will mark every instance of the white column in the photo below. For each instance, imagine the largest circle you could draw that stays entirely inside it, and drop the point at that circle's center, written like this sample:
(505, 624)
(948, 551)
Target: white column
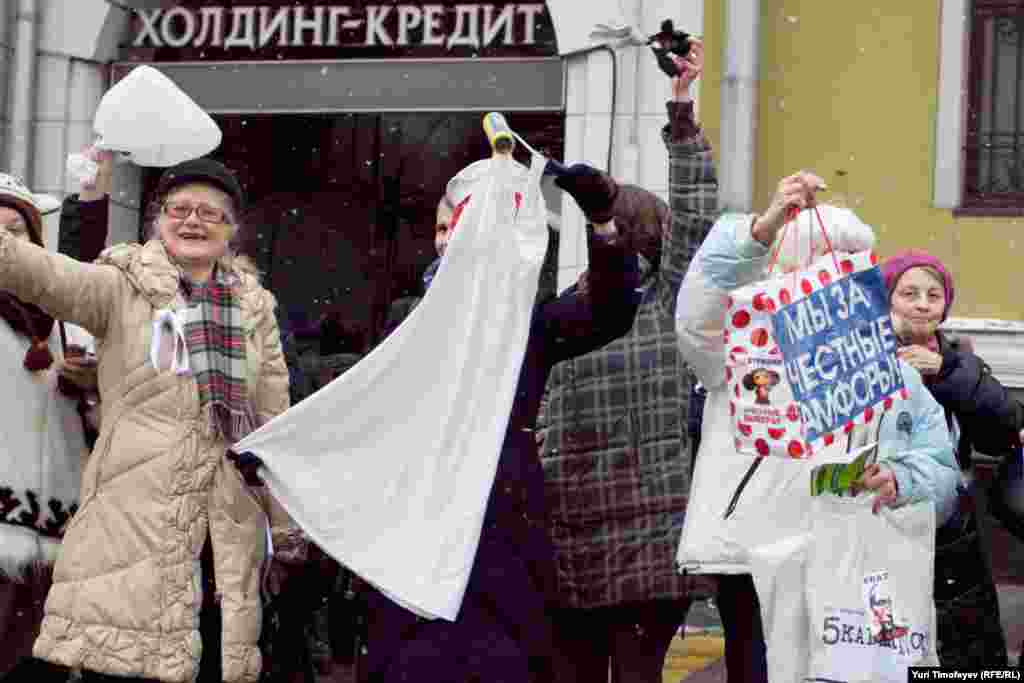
(6, 60)
(49, 127)
(87, 83)
(949, 117)
(587, 125)
(739, 105)
(22, 89)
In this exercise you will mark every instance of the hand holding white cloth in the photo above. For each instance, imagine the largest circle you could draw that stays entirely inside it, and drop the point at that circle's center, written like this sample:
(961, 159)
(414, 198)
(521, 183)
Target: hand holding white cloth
(389, 467)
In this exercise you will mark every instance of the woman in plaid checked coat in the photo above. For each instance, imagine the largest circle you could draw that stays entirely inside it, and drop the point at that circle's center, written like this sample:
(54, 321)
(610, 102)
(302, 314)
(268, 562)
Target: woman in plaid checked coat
(615, 451)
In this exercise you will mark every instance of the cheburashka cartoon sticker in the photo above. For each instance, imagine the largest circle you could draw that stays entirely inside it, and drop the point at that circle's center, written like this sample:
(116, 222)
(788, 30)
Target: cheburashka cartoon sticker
(761, 381)
(881, 613)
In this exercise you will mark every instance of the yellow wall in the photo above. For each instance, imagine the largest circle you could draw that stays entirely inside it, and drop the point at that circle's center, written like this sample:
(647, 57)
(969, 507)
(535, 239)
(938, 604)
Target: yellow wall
(848, 90)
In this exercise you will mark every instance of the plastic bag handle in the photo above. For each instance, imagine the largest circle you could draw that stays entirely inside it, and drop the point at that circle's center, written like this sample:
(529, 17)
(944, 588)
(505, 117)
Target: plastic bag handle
(791, 215)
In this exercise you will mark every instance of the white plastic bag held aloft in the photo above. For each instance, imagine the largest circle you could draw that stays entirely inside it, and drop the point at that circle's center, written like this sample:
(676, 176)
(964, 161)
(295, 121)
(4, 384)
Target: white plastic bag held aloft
(152, 121)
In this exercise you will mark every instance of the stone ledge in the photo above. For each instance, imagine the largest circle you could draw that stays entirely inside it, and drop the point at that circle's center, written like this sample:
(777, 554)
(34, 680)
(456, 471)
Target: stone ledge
(999, 342)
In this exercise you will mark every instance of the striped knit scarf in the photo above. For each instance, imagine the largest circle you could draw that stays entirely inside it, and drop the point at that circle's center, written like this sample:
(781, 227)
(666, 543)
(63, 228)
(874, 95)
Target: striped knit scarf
(216, 345)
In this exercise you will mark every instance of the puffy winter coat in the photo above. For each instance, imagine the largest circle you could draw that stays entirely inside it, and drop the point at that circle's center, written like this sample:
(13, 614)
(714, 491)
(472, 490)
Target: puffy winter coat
(127, 589)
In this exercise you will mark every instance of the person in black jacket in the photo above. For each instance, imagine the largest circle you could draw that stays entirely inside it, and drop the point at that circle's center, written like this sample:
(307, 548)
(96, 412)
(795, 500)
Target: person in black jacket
(983, 417)
(82, 235)
(503, 632)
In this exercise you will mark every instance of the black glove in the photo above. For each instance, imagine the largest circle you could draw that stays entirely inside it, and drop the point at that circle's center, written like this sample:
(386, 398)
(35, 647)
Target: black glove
(594, 191)
(248, 465)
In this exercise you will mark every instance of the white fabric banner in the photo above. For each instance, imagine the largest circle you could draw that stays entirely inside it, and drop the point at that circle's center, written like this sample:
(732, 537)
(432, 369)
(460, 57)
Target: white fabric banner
(389, 467)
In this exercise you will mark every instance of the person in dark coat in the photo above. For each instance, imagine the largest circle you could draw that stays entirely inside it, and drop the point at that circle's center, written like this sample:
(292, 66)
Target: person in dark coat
(503, 632)
(983, 417)
(82, 235)
(615, 450)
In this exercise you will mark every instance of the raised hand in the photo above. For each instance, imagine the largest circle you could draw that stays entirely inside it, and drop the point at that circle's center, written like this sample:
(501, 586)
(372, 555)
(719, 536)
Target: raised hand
(594, 191)
(92, 189)
(690, 69)
(793, 194)
(921, 358)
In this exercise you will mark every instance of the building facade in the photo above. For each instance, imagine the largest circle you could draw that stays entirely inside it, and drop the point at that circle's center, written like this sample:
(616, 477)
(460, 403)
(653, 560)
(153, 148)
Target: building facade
(912, 113)
(345, 117)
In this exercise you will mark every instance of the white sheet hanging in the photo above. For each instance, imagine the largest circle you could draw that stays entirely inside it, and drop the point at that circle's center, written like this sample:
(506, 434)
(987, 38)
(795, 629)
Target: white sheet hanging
(389, 467)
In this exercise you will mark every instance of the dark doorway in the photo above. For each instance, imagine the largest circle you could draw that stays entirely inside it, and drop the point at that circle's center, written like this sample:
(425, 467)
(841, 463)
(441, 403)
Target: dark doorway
(342, 206)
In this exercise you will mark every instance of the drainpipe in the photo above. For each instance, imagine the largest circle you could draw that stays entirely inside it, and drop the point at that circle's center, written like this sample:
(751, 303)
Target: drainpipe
(739, 104)
(6, 73)
(22, 90)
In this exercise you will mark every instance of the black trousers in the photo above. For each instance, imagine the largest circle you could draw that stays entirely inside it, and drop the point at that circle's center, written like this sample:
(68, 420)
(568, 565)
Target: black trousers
(632, 639)
(970, 634)
(21, 613)
(746, 657)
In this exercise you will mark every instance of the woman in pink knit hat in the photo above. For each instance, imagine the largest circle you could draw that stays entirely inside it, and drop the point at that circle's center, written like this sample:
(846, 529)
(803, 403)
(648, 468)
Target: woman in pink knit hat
(982, 416)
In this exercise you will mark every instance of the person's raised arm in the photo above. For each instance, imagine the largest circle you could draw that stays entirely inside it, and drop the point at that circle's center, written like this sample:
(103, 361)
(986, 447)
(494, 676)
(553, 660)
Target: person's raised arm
(692, 181)
(735, 253)
(602, 305)
(81, 293)
(84, 216)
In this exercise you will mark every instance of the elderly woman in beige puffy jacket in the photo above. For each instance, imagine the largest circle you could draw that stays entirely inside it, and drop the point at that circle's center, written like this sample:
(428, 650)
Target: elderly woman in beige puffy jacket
(189, 362)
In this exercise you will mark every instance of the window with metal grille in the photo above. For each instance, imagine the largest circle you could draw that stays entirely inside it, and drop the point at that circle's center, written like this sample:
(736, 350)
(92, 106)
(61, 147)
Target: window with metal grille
(994, 141)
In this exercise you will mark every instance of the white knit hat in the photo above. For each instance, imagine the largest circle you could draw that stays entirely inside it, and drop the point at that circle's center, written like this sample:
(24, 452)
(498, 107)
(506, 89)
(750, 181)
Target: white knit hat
(14, 193)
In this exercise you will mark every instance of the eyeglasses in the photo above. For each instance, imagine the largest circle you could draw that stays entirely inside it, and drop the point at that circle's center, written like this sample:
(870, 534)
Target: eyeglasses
(206, 213)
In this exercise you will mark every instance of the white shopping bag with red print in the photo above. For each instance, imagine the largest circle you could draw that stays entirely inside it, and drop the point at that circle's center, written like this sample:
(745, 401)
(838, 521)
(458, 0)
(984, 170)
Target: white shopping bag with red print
(809, 353)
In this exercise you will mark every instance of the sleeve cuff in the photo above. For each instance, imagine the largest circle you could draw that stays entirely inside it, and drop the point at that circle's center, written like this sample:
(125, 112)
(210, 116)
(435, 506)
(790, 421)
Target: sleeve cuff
(904, 483)
(746, 246)
(681, 123)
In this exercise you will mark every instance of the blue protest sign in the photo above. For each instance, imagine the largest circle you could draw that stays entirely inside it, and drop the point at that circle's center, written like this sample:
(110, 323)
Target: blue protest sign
(839, 349)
